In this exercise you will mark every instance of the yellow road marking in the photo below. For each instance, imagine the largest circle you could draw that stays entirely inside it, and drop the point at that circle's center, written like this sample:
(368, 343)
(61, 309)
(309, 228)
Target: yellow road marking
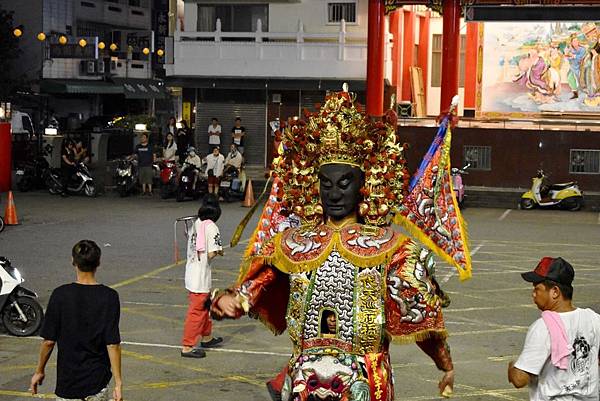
(22, 367)
(26, 394)
(151, 316)
(475, 332)
(160, 361)
(146, 275)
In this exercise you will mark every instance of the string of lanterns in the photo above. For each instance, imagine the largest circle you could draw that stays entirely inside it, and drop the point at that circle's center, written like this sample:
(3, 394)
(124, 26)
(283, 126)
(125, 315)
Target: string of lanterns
(63, 40)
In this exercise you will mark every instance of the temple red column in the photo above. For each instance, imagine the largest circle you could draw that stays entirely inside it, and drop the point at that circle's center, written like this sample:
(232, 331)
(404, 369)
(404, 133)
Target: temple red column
(396, 30)
(423, 55)
(471, 68)
(450, 51)
(375, 58)
(408, 59)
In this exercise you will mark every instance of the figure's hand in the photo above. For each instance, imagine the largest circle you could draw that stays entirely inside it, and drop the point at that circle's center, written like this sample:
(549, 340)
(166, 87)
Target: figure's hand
(117, 393)
(228, 306)
(511, 364)
(446, 385)
(36, 379)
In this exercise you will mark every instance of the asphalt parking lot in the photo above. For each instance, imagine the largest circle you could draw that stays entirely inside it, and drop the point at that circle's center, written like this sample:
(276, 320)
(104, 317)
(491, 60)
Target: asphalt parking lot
(487, 320)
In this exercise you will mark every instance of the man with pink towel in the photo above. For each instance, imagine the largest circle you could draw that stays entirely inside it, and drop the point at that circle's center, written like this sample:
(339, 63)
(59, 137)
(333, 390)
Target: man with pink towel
(559, 360)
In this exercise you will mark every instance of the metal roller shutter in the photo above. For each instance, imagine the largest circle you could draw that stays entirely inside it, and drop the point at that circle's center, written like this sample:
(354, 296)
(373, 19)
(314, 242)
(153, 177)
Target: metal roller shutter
(310, 98)
(253, 117)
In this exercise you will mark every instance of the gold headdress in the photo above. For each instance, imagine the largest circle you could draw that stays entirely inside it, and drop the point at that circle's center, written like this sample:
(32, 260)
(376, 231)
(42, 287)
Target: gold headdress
(340, 133)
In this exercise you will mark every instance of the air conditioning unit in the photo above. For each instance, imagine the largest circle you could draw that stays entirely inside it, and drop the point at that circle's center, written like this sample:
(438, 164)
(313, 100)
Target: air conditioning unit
(113, 64)
(87, 67)
(91, 67)
(100, 68)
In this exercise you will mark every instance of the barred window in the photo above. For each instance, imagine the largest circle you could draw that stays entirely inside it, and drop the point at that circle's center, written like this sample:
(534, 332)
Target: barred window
(480, 157)
(584, 161)
(341, 11)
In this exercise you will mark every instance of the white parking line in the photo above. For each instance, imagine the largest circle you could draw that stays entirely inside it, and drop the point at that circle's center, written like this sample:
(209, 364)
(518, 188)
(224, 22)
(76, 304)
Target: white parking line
(153, 304)
(506, 212)
(152, 345)
(227, 350)
(598, 218)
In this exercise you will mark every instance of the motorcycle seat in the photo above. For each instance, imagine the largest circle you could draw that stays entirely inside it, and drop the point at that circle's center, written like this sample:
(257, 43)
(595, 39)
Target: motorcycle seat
(558, 187)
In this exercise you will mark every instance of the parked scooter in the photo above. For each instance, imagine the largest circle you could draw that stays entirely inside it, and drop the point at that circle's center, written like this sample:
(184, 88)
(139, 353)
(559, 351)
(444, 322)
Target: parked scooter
(168, 178)
(457, 183)
(35, 174)
(186, 188)
(81, 182)
(231, 187)
(1, 224)
(566, 195)
(126, 176)
(20, 311)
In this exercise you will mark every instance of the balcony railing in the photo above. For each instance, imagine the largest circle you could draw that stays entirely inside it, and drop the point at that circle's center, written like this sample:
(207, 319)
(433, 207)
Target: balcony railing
(338, 55)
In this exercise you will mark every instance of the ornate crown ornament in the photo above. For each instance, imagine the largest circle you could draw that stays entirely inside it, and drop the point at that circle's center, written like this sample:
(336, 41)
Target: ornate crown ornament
(341, 133)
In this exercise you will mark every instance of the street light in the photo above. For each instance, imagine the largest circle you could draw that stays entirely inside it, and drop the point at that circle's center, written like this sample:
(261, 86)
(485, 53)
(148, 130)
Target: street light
(41, 36)
(62, 39)
(18, 32)
(113, 47)
(146, 51)
(160, 52)
(101, 45)
(82, 42)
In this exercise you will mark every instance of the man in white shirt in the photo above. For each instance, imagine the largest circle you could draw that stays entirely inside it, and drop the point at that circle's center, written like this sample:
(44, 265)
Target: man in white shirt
(214, 169)
(559, 360)
(214, 133)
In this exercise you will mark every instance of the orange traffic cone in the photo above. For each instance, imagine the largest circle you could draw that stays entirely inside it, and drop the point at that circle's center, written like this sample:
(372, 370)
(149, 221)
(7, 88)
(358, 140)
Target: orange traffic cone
(249, 198)
(10, 213)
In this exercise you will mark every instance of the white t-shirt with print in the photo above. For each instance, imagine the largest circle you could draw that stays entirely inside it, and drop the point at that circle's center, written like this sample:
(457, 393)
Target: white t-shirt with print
(197, 269)
(216, 163)
(214, 135)
(580, 380)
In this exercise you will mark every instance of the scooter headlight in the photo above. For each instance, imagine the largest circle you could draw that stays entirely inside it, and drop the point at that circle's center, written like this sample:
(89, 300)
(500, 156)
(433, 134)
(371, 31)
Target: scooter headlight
(125, 172)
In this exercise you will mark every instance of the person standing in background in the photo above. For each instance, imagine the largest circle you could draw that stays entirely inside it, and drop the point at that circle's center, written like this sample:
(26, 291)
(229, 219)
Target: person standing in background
(171, 126)
(214, 133)
(184, 140)
(238, 135)
(145, 158)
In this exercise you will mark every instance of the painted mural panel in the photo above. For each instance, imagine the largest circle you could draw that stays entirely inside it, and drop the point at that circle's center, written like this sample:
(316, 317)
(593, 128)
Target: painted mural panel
(536, 67)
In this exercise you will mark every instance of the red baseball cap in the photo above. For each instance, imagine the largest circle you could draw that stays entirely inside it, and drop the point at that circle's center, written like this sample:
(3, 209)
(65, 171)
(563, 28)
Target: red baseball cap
(555, 269)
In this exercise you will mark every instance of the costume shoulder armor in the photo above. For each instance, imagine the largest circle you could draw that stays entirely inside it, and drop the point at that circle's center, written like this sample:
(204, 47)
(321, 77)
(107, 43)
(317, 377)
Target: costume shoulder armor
(306, 248)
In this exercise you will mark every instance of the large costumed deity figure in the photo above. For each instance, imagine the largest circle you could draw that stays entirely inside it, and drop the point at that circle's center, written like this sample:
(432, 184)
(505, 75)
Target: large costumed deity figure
(345, 284)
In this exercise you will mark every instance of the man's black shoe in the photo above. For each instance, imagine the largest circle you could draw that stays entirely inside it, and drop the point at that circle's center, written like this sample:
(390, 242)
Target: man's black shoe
(194, 353)
(212, 343)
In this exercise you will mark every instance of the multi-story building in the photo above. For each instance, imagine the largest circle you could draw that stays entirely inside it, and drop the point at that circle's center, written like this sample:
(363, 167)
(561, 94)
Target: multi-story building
(90, 57)
(263, 61)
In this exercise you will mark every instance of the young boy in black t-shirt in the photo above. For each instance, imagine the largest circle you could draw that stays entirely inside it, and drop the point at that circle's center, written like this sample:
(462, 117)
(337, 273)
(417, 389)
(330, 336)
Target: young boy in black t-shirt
(83, 318)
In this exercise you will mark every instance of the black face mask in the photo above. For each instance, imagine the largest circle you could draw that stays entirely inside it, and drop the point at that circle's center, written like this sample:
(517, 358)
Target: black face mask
(339, 187)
